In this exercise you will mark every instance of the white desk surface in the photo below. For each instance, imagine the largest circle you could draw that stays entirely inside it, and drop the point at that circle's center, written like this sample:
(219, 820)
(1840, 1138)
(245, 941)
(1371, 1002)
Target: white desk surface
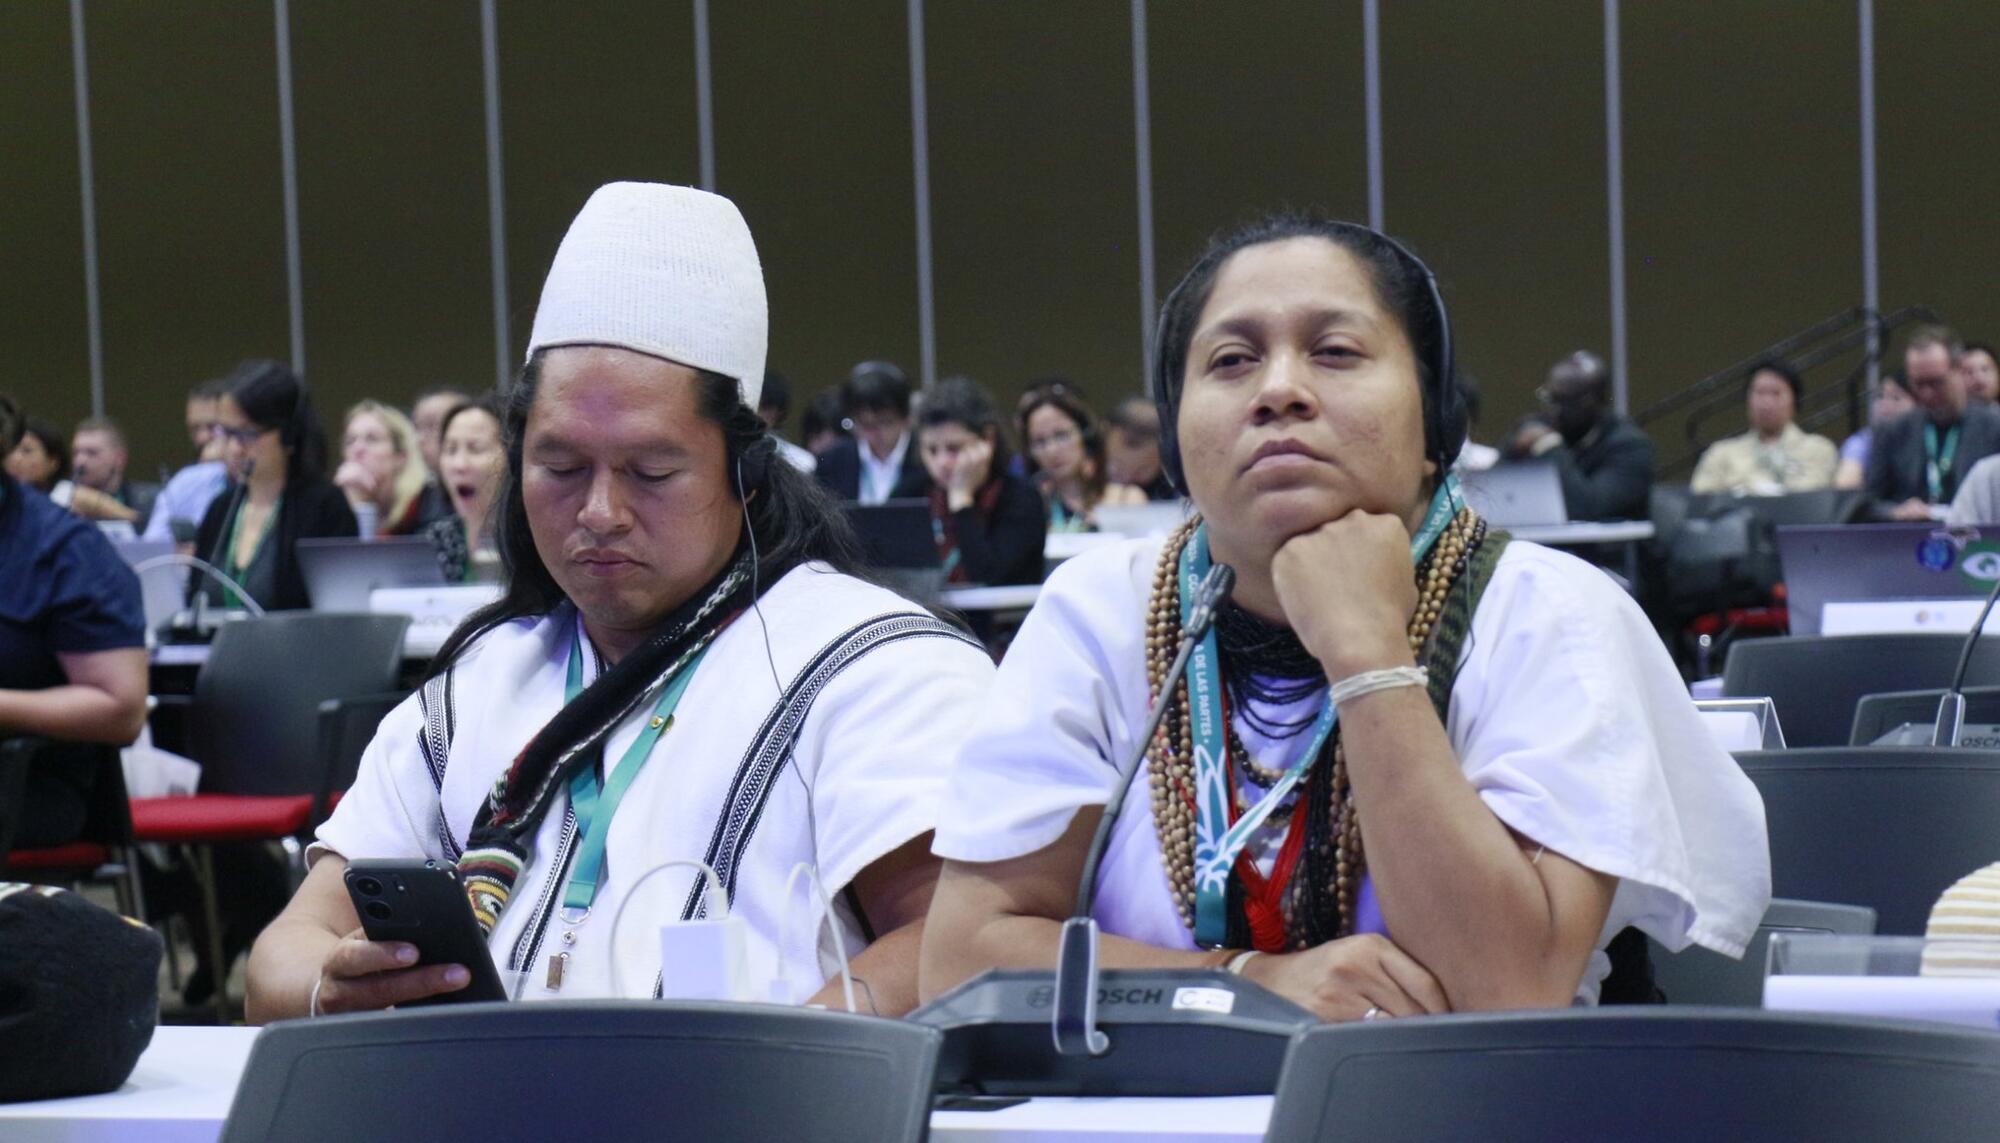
(1008, 597)
(181, 1089)
(1584, 532)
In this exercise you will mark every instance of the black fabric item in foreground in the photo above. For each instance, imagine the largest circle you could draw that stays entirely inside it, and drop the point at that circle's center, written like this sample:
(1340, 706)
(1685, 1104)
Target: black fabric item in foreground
(79, 994)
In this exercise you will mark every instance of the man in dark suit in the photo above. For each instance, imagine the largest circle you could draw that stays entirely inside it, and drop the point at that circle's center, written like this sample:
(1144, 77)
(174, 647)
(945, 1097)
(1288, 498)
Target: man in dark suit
(880, 462)
(1918, 459)
(1604, 460)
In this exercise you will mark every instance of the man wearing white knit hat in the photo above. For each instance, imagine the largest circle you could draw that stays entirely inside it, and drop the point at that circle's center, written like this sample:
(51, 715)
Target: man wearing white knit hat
(680, 627)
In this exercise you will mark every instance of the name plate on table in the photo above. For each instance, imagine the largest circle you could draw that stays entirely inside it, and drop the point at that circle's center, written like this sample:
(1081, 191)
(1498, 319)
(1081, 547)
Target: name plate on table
(435, 612)
(1742, 723)
(1893, 616)
(1967, 1001)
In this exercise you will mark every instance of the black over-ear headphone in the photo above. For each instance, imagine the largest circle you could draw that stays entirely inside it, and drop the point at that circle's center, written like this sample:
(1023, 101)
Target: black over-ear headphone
(753, 463)
(1444, 416)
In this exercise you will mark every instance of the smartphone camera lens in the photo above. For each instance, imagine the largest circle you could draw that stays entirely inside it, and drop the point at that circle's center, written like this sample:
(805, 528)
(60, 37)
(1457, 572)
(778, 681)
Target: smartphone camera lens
(369, 887)
(379, 910)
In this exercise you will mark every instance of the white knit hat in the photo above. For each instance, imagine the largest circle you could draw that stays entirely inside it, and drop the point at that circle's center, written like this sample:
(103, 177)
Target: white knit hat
(667, 271)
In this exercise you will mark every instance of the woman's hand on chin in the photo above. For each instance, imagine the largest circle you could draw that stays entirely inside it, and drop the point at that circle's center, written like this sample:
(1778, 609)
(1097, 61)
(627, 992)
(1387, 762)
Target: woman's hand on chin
(1348, 592)
(1344, 979)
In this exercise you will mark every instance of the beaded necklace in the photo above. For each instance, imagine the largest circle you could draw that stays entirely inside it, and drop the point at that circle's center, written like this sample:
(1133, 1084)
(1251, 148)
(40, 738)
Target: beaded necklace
(1320, 898)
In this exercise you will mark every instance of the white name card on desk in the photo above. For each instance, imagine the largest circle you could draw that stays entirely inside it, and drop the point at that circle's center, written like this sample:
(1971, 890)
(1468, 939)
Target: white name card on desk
(1970, 1001)
(435, 612)
(1891, 616)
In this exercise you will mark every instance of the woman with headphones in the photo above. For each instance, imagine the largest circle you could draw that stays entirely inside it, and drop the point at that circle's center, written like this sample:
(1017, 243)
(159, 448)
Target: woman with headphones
(1414, 767)
(1066, 458)
(278, 493)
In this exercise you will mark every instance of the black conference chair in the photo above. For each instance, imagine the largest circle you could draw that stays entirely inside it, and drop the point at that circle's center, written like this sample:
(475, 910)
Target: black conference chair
(1640, 1074)
(1696, 975)
(1877, 715)
(1886, 827)
(270, 723)
(1818, 680)
(589, 1070)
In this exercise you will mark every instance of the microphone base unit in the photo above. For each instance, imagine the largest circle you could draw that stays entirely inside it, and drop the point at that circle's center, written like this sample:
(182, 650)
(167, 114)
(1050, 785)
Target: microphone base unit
(1172, 1032)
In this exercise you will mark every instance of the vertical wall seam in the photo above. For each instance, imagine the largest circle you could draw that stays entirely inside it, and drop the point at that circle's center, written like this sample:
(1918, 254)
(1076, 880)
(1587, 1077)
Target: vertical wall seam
(93, 302)
(496, 193)
(1142, 116)
(921, 161)
(289, 161)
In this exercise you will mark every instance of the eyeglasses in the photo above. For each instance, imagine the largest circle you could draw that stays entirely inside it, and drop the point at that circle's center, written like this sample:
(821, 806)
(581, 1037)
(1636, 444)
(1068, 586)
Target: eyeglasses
(245, 436)
(1054, 440)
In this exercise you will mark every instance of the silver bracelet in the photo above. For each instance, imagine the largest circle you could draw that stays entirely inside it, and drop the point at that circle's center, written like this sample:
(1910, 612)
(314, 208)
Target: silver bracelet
(1368, 682)
(312, 1002)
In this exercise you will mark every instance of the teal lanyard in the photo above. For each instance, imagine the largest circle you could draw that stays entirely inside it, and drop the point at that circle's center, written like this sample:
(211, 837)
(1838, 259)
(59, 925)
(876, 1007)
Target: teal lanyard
(1217, 842)
(1937, 461)
(587, 800)
(952, 557)
(229, 596)
(1061, 519)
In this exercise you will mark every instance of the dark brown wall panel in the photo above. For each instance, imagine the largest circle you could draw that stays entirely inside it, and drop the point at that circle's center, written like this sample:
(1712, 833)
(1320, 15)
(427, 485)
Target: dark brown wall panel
(1742, 176)
(392, 199)
(42, 318)
(1938, 163)
(816, 151)
(1033, 194)
(1493, 171)
(591, 92)
(1237, 132)
(190, 205)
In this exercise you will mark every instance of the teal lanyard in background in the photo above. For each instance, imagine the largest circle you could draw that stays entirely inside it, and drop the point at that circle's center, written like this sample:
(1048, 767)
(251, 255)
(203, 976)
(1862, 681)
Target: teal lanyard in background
(594, 808)
(229, 596)
(1217, 842)
(951, 558)
(1937, 462)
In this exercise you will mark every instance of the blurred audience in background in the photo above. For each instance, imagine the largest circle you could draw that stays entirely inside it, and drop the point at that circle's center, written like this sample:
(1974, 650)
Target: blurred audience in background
(470, 464)
(98, 460)
(1775, 456)
(181, 504)
(1604, 459)
(1132, 448)
(774, 404)
(427, 414)
(878, 463)
(1066, 457)
(1917, 461)
(1982, 373)
(383, 474)
(278, 493)
(1889, 399)
(989, 524)
(824, 422)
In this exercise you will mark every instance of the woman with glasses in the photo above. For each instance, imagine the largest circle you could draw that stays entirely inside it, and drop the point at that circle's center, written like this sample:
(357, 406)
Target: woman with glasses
(278, 493)
(383, 474)
(1414, 768)
(1066, 458)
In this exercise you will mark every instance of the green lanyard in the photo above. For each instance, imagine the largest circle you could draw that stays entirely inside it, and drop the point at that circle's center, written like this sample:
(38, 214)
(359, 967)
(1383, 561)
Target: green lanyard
(1217, 840)
(585, 797)
(1937, 462)
(235, 570)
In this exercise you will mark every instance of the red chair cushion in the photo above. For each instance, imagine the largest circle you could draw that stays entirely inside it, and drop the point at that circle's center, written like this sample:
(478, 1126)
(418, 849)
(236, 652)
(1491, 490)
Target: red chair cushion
(209, 818)
(75, 855)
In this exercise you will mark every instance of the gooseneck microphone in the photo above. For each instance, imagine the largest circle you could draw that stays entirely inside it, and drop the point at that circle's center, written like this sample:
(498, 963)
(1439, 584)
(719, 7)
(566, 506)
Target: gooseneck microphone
(1075, 1022)
(1951, 708)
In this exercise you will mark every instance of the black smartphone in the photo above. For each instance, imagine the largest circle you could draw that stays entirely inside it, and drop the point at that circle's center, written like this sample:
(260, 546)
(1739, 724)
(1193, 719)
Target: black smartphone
(422, 903)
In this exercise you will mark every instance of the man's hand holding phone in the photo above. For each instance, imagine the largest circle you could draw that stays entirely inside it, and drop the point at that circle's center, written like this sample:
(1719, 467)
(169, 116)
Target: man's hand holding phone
(361, 975)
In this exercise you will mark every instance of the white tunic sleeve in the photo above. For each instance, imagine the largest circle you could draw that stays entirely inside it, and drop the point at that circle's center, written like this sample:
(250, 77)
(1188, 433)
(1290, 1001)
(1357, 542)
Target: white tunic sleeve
(1060, 712)
(1572, 723)
(879, 745)
(392, 808)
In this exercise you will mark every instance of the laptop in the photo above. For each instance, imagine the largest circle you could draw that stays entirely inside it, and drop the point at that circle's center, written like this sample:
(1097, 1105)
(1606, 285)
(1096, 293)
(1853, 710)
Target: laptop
(1517, 494)
(163, 588)
(339, 573)
(899, 545)
(1840, 563)
(1137, 521)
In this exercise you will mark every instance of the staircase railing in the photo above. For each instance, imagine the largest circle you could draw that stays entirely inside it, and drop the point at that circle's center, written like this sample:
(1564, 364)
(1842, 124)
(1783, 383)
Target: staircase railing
(1812, 349)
